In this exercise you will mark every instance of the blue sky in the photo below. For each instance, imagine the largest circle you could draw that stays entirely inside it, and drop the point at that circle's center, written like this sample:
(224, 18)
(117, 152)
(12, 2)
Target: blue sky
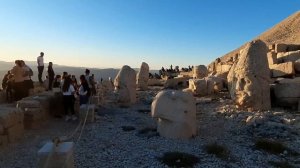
(112, 33)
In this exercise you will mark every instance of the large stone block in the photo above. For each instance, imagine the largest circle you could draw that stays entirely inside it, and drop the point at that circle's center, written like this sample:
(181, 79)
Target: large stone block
(176, 113)
(15, 132)
(87, 111)
(156, 82)
(33, 117)
(1, 129)
(280, 48)
(293, 47)
(175, 83)
(10, 116)
(52, 156)
(287, 91)
(28, 103)
(198, 86)
(297, 66)
(282, 70)
(200, 71)
(291, 56)
(272, 58)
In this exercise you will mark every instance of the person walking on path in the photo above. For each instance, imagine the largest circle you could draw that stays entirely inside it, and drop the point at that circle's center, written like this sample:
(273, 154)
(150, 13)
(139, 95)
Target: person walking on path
(51, 75)
(40, 62)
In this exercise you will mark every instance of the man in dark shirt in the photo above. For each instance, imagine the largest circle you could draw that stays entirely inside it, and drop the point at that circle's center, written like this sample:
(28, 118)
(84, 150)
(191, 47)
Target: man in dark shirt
(51, 75)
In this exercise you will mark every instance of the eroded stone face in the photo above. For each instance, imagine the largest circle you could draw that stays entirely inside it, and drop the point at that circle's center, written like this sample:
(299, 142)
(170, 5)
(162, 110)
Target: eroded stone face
(200, 71)
(125, 85)
(249, 78)
(143, 77)
(176, 113)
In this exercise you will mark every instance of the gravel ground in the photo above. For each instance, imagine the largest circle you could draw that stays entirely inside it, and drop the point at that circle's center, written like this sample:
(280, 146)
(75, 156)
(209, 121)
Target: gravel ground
(126, 137)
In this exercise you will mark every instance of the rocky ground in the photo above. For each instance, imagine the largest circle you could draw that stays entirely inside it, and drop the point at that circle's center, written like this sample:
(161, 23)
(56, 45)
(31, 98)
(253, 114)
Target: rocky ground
(127, 137)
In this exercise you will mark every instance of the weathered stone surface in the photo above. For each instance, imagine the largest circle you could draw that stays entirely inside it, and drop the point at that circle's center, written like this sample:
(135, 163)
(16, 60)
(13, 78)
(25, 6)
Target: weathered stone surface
(293, 47)
(291, 56)
(10, 116)
(175, 83)
(282, 70)
(272, 58)
(1, 129)
(198, 86)
(28, 103)
(200, 71)
(87, 111)
(214, 84)
(143, 77)
(156, 82)
(176, 113)
(249, 79)
(15, 132)
(297, 65)
(56, 156)
(280, 48)
(125, 86)
(287, 91)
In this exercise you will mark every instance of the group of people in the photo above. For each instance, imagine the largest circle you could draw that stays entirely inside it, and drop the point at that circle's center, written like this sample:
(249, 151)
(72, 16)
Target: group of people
(71, 89)
(17, 83)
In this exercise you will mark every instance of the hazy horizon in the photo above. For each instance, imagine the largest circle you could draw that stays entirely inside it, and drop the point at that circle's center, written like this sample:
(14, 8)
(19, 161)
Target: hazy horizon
(113, 33)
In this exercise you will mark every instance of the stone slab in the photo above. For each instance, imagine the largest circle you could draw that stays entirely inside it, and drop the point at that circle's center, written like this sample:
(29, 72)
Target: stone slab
(52, 156)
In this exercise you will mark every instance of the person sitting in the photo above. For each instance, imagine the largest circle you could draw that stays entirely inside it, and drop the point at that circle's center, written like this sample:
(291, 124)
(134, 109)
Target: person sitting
(9, 88)
(4, 80)
(57, 80)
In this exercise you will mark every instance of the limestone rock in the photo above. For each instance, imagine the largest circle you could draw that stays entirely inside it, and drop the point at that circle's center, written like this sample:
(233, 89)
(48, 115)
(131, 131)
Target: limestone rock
(280, 48)
(287, 92)
(143, 77)
(125, 86)
(198, 86)
(156, 82)
(297, 65)
(176, 113)
(272, 58)
(175, 83)
(249, 79)
(200, 71)
(282, 70)
(290, 56)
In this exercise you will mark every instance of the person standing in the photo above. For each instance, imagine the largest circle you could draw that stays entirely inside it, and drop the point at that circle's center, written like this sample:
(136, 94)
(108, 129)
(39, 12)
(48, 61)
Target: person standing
(40, 62)
(68, 98)
(51, 75)
(84, 91)
(18, 73)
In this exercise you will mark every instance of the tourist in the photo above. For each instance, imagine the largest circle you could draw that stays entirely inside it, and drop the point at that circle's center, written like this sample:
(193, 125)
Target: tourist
(4, 80)
(40, 61)
(68, 98)
(64, 75)
(74, 82)
(84, 91)
(27, 83)
(18, 72)
(93, 84)
(57, 81)
(87, 77)
(51, 75)
(9, 88)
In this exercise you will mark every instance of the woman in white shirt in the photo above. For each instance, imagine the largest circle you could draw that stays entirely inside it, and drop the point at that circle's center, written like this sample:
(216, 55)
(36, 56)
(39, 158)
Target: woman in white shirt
(68, 98)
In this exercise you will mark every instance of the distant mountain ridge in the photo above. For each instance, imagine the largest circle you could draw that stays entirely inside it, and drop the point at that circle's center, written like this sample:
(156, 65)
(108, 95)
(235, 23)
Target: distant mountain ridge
(59, 69)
